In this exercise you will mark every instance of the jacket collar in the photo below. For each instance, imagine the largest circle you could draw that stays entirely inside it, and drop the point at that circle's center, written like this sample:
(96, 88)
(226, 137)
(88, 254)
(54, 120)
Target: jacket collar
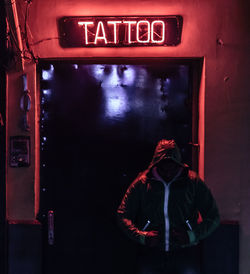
(183, 174)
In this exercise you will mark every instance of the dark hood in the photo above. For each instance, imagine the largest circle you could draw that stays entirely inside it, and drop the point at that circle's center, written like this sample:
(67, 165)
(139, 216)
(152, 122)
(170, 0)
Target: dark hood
(166, 149)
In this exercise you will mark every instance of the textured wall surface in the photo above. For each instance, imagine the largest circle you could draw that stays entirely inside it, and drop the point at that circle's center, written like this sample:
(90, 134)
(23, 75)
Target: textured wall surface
(226, 90)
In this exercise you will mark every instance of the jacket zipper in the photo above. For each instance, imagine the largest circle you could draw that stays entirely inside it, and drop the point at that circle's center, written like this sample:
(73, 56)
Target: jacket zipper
(167, 225)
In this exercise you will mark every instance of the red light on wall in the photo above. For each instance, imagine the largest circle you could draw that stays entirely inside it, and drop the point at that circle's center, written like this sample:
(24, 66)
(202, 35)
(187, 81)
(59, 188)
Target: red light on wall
(120, 31)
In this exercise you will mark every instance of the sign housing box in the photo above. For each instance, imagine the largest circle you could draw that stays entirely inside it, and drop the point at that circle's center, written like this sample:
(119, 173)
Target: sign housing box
(120, 31)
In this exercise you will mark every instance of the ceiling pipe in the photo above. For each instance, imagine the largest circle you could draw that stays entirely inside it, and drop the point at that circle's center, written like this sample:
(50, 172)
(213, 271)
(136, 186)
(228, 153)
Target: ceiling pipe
(17, 29)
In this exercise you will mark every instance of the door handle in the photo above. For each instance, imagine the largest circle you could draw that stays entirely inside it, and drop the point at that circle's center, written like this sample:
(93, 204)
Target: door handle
(51, 225)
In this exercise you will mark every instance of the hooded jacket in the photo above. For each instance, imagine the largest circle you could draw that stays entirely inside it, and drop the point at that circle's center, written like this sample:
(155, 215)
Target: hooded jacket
(142, 208)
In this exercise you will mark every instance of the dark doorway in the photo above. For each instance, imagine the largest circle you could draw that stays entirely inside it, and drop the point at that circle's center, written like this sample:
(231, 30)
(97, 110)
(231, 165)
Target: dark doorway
(99, 124)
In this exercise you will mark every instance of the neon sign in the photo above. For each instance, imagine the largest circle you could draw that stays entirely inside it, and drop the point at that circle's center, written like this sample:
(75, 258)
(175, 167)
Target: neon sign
(120, 31)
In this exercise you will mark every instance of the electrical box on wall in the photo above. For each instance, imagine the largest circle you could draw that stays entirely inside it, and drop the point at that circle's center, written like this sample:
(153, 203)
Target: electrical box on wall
(19, 151)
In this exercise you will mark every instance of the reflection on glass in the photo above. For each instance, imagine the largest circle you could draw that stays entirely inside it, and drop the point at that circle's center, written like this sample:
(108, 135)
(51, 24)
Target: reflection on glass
(112, 78)
(116, 102)
(114, 75)
(46, 92)
(141, 78)
(127, 74)
(48, 74)
(98, 71)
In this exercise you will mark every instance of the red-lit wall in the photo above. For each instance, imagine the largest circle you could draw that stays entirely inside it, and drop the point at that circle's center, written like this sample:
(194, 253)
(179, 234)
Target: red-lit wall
(224, 89)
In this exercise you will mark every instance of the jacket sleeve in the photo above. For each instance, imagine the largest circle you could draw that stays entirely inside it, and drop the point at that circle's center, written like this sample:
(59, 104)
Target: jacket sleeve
(209, 212)
(127, 213)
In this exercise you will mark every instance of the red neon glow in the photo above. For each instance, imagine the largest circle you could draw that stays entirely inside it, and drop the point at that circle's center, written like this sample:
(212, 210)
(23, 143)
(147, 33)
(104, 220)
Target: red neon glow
(120, 31)
(130, 23)
(162, 32)
(138, 31)
(100, 26)
(115, 29)
(85, 24)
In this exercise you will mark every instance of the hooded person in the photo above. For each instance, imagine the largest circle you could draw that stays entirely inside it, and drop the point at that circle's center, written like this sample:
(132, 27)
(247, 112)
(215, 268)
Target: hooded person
(161, 208)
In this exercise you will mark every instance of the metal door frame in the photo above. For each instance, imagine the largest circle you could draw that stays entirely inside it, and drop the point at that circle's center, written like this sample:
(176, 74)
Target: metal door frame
(195, 69)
